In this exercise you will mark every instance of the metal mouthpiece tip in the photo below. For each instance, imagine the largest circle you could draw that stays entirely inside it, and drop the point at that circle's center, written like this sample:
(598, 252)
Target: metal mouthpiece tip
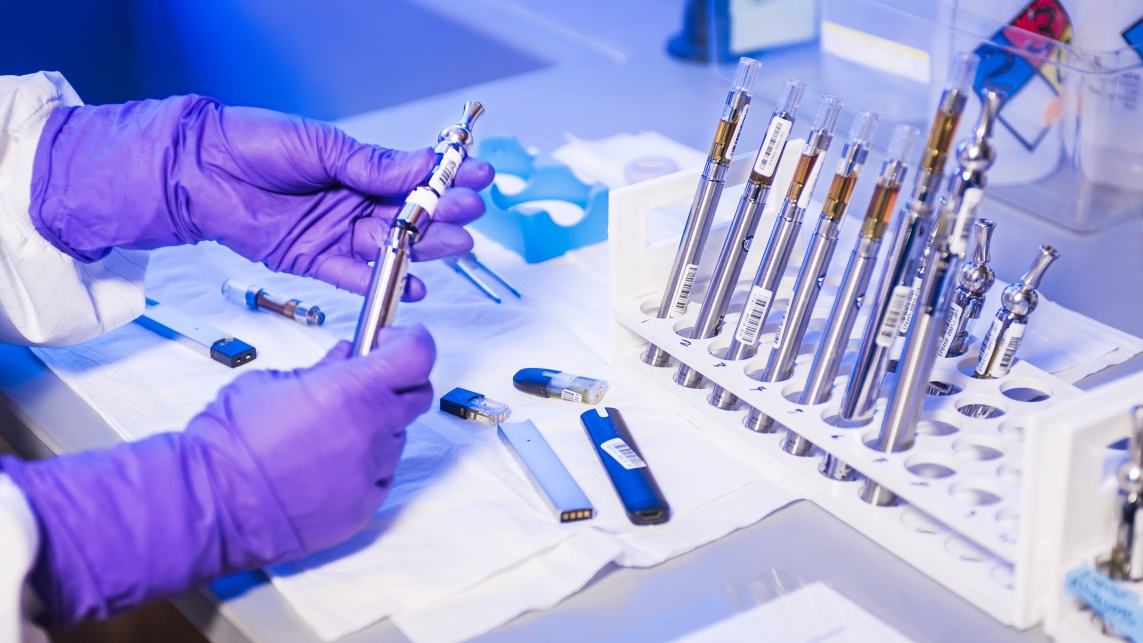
(472, 111)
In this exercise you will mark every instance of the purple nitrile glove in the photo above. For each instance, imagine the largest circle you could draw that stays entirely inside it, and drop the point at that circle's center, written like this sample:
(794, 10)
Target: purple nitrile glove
(279, 465)
(299, 195)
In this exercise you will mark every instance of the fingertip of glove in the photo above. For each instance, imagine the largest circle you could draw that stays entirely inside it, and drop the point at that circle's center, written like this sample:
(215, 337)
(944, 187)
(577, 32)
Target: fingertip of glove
(475, 173)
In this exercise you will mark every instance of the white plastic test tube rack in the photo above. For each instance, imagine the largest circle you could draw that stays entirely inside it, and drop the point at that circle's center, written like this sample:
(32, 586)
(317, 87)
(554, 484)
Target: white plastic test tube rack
(969, 519)
(1079, 495)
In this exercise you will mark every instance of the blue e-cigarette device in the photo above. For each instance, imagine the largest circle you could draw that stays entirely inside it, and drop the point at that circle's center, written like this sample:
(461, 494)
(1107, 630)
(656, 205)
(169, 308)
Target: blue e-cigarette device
(629, 473)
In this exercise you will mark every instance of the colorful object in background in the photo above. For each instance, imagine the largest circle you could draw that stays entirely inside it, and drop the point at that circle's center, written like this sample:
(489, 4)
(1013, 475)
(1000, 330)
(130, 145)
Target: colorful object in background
(533, 233)
(1134, 36)
(1037, 29)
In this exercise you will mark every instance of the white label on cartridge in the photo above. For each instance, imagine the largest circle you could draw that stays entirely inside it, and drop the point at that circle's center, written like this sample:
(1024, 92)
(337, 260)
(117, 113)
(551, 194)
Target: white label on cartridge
(446, 170)
(1010, 344)
(989, 346)
(623, 454)
(683, 294)
(752, 315)
(812, 182)
(911, 308)
(737, 131)
(571, 396)
(423, 197)
(955, 313)
(775, 142)
(898, 300)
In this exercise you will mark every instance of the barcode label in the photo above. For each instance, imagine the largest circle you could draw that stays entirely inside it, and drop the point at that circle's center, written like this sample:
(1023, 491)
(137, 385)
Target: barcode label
(911, 308)
(571, 396)
(683, 292)
(951, 328)
(737, 131)
(446, 170)
(781, 328)
(423, 197)
(1010, 343)
(892, 319)
(808, 191)
(989, 346)
(776, 136)
(623, 454)
(752, 315)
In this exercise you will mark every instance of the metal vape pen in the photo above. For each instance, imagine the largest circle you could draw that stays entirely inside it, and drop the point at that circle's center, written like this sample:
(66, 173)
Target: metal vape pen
(811, 276)
(975, 279)
(677, 291)
(388, 283)
(895, 285)
(782, 239)
(744, 224)
(1127, 557)
(851, 293)
(998, 350)
(966, 191)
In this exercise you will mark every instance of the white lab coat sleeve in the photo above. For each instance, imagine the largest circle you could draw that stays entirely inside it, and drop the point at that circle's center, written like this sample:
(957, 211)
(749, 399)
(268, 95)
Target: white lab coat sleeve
(46, 297)
(19, 542)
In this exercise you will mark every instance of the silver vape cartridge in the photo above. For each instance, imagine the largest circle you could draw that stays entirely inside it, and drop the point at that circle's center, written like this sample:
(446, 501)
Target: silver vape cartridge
(812, 274)
(783, 237)
(471, 405)
(888, 302)
(256, 298)
(744, 224)
(1127, 557)
(545, 382)
(200, 337)
(677, 291)
(998, 350)
(548, 474)
(975, 279)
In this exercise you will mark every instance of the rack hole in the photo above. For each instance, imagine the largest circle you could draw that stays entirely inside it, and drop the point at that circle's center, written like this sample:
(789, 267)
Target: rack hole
(649, 307)
(935, 428)
(938, 388)
(978, 448)
(931, 465)
(1013, 431)
(684, 328)
(981, 407)
(718, 348)
(1008, 520)
(1012, 474)
(1026, 390)
(974, 493)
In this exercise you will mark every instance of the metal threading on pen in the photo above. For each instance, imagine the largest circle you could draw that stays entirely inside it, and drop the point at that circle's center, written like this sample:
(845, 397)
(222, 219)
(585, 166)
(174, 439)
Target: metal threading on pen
(974, 280)
(894, 287)
(782, 239)
(966, 191)
(1017, 302)
(851, 292)
(388, 282)
(676, 292)
(744, 224)
(1126, 562)
(811, 276)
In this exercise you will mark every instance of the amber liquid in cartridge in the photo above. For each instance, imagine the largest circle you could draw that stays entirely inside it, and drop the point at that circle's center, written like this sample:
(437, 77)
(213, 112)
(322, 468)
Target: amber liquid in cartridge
(256, 298)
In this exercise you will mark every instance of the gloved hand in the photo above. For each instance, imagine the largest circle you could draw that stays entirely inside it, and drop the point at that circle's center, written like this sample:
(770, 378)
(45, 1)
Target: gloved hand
(279, 465)
(299, 195)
